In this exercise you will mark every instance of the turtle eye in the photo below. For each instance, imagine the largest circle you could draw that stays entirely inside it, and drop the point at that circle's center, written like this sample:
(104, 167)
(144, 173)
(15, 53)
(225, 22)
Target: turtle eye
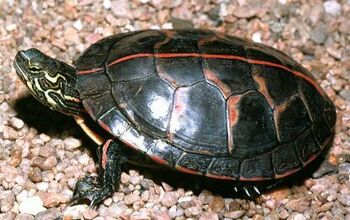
(34, 69)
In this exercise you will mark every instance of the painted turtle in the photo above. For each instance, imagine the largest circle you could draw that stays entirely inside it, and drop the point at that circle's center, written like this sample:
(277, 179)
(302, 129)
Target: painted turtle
(198, 101)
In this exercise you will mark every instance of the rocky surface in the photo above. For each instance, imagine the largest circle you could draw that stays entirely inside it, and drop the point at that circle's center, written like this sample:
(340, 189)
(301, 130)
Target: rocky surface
(43, 153)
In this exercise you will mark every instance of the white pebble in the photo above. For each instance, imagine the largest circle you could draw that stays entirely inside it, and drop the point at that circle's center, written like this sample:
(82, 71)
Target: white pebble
(76, 211)
(42, 186)
(17, 123)
(144, 1)
(11, 27)
(22, 196)
(32, 205)
(84, 159)
(167, 25)
(257, 37)
(107, 4)
(44, 137)
(72, 143)
(332, 7)
(77, 25)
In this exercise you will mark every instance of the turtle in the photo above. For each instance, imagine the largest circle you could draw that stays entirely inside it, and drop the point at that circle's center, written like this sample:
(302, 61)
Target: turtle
(193, 100)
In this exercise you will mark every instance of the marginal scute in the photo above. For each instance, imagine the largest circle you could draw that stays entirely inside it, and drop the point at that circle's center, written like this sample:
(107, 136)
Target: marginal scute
(255, 52)
(291, 119)
(195, 162)
(137, 140)
(225, 167)
(96, 55)
(285, 159)
(217, 45)
(259, 167)
(322, 132)
(330, 114)
(178, 45)
(306, 146)
(141, 42)
(166, 151)
(114, 122)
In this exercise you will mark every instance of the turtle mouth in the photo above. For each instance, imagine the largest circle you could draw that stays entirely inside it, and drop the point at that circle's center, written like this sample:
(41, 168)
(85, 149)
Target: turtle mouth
(21, 60)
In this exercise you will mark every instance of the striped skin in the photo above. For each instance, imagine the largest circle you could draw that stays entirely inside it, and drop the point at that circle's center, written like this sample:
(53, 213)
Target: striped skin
(206, 103)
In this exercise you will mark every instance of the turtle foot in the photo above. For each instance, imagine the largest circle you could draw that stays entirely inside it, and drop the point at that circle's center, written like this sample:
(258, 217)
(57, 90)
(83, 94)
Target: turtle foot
(90, 188)
(97, 189)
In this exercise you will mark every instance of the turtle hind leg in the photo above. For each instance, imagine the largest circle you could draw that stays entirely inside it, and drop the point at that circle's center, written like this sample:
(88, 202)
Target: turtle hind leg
(96, 189)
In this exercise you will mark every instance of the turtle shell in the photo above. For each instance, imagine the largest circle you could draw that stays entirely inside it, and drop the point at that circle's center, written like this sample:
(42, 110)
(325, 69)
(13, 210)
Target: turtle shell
(206, 103)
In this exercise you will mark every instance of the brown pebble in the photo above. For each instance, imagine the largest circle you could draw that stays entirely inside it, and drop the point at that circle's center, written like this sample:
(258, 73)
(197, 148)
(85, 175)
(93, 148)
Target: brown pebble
(299, 205)
(16, 157)
(49, 163)
(278, 193)
(53, 213)
(217, 204)
(35, 174)
(234, 205)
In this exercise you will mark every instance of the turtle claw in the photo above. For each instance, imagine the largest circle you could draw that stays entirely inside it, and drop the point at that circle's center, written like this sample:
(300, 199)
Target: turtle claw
(91, 189)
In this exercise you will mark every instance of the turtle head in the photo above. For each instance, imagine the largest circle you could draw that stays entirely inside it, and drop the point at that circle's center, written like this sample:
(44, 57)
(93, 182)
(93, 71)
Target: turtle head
(51, 81)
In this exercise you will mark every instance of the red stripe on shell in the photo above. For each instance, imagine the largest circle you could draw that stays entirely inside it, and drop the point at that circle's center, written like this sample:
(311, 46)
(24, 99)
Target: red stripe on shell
(82, 72)
(211, 56)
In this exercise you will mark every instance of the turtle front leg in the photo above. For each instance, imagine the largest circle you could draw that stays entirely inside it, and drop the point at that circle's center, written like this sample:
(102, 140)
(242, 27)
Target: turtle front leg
(96, 189)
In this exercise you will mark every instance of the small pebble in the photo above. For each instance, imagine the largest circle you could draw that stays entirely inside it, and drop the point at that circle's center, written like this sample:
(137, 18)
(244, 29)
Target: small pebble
(169, 199)
(107, 4)
(217, 204)
(75, 212)
(53, 213)
(175, 211)
(117, 209)
(35, 175)
(299, 205)
(72, 143)
(31, 205)
(234, 214)
(209, 216)
(131, 198)
(332, 7)
(17, 123)
(7, 200)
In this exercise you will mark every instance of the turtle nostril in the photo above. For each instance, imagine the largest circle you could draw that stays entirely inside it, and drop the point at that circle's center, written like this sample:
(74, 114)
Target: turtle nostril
(24, 55)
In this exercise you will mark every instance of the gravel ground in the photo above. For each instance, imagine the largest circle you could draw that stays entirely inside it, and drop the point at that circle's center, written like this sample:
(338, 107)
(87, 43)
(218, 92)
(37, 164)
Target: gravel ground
(43, 153)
